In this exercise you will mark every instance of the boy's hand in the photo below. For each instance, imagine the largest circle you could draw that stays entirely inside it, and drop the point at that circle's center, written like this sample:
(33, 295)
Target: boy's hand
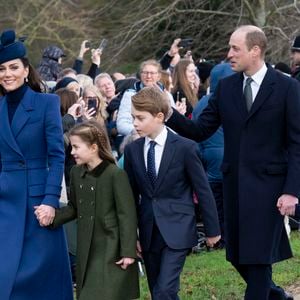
(125, 262)
(211, 241)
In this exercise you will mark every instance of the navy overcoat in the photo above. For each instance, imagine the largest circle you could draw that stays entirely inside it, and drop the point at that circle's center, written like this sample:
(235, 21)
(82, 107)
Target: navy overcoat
(261, 161)
(33, 259)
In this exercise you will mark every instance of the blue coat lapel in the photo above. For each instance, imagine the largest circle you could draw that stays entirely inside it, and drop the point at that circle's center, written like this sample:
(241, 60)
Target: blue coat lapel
(22, 113)
(6, 131)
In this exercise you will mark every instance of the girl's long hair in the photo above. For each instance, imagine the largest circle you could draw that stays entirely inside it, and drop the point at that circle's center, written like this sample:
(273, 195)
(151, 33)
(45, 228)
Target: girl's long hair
(92, 132)
(180, 82)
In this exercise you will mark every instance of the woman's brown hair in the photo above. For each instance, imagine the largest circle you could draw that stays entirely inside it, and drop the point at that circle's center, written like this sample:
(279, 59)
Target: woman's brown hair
(67, 99)
(92, 132)
(180, 81)
(34, 81)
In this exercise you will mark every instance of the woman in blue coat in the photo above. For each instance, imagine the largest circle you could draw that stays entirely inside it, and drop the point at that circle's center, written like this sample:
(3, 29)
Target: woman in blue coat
(33, 259)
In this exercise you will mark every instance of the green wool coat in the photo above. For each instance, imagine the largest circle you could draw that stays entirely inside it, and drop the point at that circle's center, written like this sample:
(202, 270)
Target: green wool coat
(103, 203)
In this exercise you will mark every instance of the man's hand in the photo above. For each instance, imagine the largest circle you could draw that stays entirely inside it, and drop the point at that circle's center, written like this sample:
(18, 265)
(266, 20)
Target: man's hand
(83, 49)
(96, 56)
(211, 241)
(174, 48)
(286, 204)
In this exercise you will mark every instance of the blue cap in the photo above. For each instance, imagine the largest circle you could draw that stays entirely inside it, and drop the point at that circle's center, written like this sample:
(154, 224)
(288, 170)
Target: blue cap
(10, 48)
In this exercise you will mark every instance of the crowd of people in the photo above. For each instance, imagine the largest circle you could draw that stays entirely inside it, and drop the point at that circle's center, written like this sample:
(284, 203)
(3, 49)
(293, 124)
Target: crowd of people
(144, 158)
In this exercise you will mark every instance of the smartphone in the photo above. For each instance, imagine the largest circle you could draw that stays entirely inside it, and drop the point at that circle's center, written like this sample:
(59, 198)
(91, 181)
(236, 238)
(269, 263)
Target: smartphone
(92, 103)
(103, 44)
(185, 43)
(87, 44)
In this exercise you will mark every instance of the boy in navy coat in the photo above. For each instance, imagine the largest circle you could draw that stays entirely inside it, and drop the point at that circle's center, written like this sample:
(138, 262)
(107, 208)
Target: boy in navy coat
(164, 170)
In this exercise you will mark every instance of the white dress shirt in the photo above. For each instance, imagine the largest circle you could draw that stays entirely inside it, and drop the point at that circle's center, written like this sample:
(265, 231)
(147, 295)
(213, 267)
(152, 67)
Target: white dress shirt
(159, 147)
(258, 77)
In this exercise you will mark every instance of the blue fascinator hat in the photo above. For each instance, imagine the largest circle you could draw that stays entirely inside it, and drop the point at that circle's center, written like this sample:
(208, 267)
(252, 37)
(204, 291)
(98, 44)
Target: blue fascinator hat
(10, 48)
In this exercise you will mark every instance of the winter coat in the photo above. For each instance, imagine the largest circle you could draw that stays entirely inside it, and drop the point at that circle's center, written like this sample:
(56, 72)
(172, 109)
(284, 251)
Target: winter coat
(103, 204)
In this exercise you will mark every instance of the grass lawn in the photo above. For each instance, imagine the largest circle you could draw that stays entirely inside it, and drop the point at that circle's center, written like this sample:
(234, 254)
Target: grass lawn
(210, 276)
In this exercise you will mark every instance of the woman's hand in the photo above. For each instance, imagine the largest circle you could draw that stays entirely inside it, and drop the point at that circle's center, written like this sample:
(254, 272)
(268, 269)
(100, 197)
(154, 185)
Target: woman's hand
(75, 110)
(181, 107)
(45, 214)
(124, 262)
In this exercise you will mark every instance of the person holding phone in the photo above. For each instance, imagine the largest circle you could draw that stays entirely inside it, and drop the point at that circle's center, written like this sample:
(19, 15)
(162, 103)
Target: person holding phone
(186, 84)
(95, 103)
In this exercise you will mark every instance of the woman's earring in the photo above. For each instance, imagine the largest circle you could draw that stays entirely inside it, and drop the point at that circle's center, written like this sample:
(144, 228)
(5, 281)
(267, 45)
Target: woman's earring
(26, 79)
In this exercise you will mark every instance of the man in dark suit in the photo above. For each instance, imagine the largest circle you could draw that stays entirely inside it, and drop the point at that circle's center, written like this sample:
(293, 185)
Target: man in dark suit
(261, 165)
(164, 170)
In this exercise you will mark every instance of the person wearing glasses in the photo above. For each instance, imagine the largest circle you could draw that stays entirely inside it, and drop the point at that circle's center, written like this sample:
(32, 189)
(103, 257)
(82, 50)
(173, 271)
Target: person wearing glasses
(150, 76)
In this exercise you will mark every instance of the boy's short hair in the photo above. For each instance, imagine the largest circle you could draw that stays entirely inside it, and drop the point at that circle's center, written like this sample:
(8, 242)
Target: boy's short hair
(152, 100)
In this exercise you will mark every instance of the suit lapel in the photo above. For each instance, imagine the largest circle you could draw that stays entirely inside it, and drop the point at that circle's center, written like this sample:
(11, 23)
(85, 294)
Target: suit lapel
(238, 96)
(166, 159)
(6, 131)
(265, 90)
(141, 162)
(22, 113)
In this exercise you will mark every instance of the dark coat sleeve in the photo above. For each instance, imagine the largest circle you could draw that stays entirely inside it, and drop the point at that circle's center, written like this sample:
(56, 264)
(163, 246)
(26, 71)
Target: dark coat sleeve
(198, 179)
(93, 71)
(126, 213)
(165, 61)
(129, 170)
(77, 66)
(201, 128)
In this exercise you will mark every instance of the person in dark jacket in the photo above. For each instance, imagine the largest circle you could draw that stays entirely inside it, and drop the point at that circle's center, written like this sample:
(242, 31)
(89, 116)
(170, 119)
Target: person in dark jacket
(295, 56)
(212, 149)
(259, 109)
(50, 65)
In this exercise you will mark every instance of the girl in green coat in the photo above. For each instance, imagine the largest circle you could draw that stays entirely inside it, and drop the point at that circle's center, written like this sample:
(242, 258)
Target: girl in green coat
(103, 203)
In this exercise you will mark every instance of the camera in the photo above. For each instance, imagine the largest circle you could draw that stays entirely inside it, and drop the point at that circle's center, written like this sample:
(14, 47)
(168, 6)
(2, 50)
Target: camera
(87, 44)
(103, 44)
(185, 43)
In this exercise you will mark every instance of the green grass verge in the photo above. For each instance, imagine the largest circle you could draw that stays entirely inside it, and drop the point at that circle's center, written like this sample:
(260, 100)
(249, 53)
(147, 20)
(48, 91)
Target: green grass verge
(210, 276)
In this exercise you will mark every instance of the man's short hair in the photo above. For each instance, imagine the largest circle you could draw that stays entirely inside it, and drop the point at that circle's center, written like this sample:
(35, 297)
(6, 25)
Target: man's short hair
(257, 38)
(102, 75)
(152, 100)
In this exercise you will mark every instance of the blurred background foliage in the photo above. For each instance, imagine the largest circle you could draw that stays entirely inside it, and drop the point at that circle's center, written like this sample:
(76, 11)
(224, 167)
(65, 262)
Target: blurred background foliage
(142, 29)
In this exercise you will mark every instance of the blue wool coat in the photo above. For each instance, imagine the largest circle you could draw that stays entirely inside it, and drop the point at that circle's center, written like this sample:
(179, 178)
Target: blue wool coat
(33, 260)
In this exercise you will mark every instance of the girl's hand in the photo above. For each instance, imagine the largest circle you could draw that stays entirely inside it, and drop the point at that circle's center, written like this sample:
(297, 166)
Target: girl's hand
(124, 262)
(45, 214)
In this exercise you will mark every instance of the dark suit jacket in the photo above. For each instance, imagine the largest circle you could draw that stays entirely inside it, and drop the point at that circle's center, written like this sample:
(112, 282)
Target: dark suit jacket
(297, 211)
(261, 161)
(170, 203)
